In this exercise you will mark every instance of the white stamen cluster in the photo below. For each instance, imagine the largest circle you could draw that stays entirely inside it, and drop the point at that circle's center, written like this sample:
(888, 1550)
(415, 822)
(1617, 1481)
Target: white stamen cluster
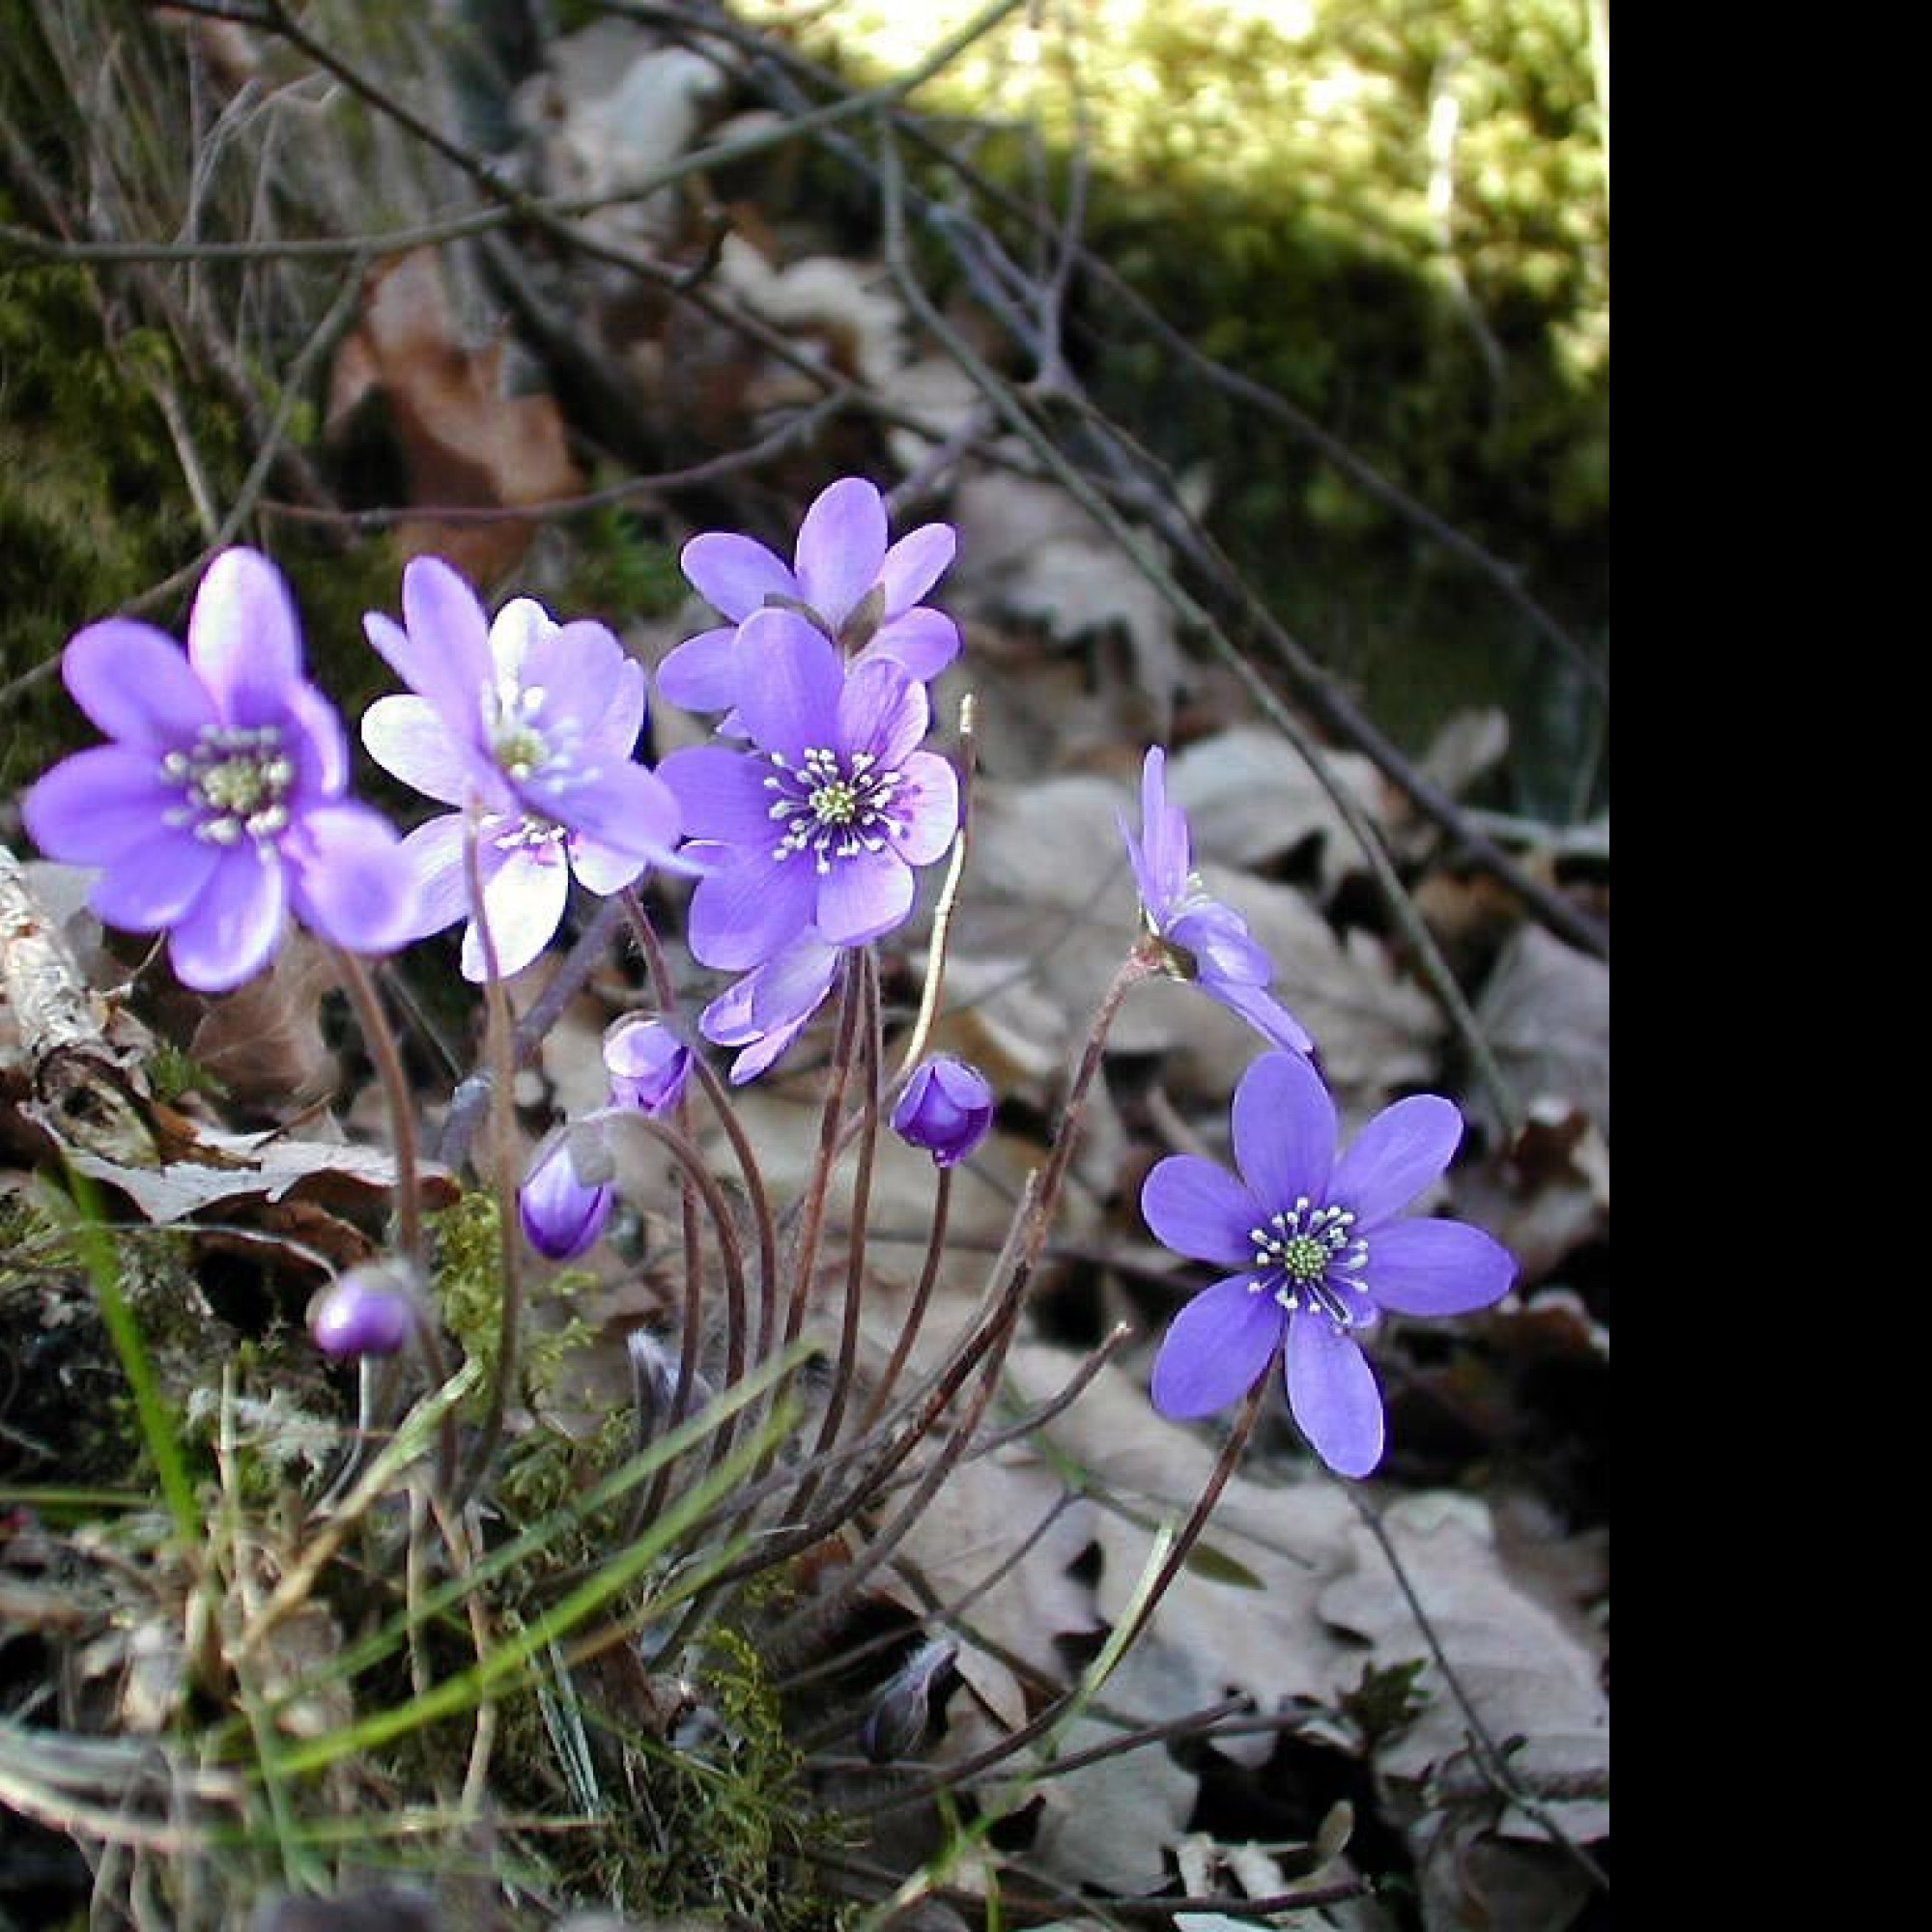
(832, 809)
(235, 784)
(1299, 1249)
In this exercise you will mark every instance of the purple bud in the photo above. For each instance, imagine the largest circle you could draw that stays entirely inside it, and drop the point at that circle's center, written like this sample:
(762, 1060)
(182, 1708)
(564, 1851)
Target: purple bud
(902, 1714)
(945, 1108)
(561, 1214)
(647, 1062)
(364, 1312)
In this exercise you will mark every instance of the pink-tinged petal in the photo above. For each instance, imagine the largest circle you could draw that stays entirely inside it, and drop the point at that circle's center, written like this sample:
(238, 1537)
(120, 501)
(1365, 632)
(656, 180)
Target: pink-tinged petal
(1332, 1394)
(408, 738)
(152, 884)
(349, 879)
(242, 638)
(522, 903)
(789, 683)
(921, 642)
(723, 794)
(1285, 1129)
(233, 927)
(916, 563)
(443, 649)
(1197, 1207)
(702, 674)
(742, 912)
(863, 896)
(927, 804)
(882, 712)
(439, 872)
(841, 546)
(1215, 1350)
(1264, 1012)
(734, 574)
(613, 732)
(317, 742)
(1436, 1267)
(93, 806)
(1404, 1149)
(136, 684)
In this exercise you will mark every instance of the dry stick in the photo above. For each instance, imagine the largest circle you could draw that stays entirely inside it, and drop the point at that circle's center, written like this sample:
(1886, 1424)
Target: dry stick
(1428, 956)
(1488, 1754)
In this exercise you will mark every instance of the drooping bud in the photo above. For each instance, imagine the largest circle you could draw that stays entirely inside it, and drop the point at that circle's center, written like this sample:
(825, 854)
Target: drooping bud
(562, 1212)
(367, 1310)
(946, 1108)
(647, 1062)
(902, 1714)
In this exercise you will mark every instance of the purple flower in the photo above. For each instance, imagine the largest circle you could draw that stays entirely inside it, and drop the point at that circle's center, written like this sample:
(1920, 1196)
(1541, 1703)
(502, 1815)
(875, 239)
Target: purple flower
(767, 1009)
(562, 1213)
(363, 1313)
(945, 1108)
(823, 821)
(529, 725)
(1201, 939)
(221, 806)
(1320, 1250)
(648, 1064)
(861, 594)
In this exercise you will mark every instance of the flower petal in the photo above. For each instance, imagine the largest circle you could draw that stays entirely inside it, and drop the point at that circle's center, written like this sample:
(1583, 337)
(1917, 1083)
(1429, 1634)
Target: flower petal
(621, 806)
(577, 667)
(313, 737)
(441, 884)
(93, 806)
(524, 897)
(734, 574)
(351, 880)
(915, 564)
(235, 925)
(842, 547)
(1332, 1394)
(136, 684)
(1223, 948)
(882, 712)
(152, 884)
(408, 738)
(1215, 1349)
(1264, 1012)
(789, 988)
(922, 641)
(1436, 1267)
(1404, 1149)
(927, 804)
(1197, 1207)
(863, 896)
(742, 912)
(612, 733)
(242, 638)
(442, 651)
(1285, 1129)
(722, 794)
(702, 673)
(1164, 848)
(788, 683)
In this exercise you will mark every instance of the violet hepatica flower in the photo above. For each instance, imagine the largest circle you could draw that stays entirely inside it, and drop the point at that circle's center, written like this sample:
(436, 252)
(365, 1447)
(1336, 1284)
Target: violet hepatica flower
(530, 726)
(220, 807)
(648, 1064)
(562, 1213)
(1201, 939)
(860, 594)
(765, 1011)
(945, 1108)
(365, 1312)
(1319, 1249)
(822, 821)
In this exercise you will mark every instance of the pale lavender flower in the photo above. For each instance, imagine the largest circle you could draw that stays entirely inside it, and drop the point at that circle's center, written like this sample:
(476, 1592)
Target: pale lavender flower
(1201, 939)
(649, 1066)
(1321, 1249)
(530, 726)
(766, 1011)
(945, 1108)
(221, 806)
(562, 1212)
(823, 821)
(860, 594)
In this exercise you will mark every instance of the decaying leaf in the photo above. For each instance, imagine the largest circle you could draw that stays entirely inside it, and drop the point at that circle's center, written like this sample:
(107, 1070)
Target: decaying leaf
(265, 1040)
(1546, 1014)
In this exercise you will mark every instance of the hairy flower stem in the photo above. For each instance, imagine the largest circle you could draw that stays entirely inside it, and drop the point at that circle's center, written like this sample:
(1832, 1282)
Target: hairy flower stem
(915, 1316)
(500, 1050)
(379, 1042)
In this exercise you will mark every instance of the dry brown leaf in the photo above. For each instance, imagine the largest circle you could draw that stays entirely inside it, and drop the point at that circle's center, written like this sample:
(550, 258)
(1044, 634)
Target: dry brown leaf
(465, 440)
(265, 1041)
(1546, 1014)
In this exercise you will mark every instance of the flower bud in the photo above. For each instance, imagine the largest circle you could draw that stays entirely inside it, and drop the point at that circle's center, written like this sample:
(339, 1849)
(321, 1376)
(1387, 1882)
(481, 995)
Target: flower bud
(562, 1214)
(946, 1108)
(364, 1312)
(902, 1714)
(648, 1064)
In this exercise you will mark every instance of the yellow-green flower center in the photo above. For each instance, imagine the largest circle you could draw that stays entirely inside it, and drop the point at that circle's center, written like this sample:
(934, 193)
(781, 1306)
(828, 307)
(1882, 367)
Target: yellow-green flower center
(835, 803)
(1310, 1257)
(235, 784)
(831, 805)
(519, 749)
